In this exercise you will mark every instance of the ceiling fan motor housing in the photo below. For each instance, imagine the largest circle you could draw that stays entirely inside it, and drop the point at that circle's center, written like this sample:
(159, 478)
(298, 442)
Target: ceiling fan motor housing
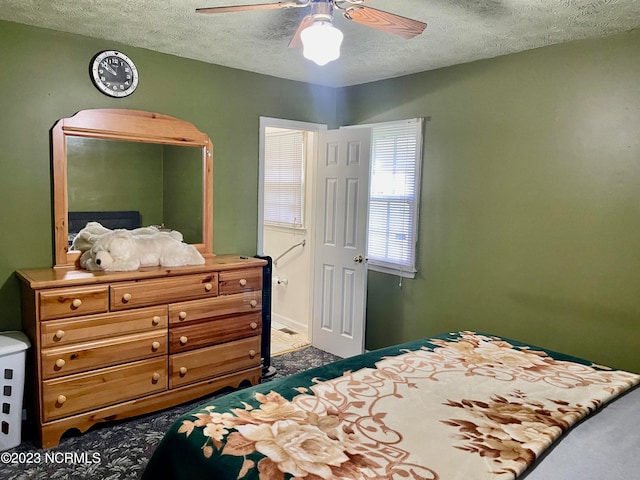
(322, 10)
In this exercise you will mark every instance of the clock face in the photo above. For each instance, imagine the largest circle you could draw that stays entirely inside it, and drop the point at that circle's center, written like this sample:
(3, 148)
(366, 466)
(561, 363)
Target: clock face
(114, 73)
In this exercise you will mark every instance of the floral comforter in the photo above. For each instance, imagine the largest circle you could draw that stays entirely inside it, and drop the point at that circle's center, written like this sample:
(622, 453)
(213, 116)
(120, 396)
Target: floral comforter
(457, 406)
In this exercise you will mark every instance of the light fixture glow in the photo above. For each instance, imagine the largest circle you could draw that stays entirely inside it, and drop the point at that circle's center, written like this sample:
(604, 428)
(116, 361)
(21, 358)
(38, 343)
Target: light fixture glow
(321, 42)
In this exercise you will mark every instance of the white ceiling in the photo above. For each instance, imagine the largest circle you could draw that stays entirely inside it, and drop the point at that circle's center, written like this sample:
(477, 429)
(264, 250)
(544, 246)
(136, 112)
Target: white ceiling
(458, 31)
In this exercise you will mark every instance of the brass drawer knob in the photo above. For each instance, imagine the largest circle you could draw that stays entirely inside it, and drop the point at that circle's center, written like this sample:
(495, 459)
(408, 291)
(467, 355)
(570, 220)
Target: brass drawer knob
(59, 334)
(76, 303)
(61, 399)
(155, 346)
(183, 340)
(126, 298)
(60, 363)
(253, 303)
(155, 321)
(183, 371)
(182, 315)
(243, 282)
(253, 325)
(252, 353)
(155, 377)
(208, 287)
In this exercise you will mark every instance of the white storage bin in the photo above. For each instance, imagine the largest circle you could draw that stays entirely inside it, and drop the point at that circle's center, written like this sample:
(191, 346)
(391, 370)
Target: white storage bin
(13, 346)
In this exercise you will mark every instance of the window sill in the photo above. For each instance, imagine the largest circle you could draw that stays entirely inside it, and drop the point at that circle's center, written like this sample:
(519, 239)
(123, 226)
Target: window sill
(284, 229)
(398, 272)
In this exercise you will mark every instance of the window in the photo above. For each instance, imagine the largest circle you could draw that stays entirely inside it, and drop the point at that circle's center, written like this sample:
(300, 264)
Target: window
(394, 196)
(284, 157)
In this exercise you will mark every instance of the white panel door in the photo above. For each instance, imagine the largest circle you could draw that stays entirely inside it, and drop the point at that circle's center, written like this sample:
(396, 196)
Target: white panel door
(340, 269)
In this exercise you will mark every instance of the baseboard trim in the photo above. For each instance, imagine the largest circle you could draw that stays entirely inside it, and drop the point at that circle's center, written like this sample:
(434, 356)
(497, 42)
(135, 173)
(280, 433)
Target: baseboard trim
(290, 323)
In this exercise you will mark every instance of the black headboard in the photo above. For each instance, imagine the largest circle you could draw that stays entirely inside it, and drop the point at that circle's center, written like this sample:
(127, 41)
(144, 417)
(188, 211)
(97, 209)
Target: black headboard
(112, 220)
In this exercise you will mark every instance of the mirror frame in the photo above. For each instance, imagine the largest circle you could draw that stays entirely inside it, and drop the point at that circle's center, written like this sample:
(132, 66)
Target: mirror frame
(129, 125)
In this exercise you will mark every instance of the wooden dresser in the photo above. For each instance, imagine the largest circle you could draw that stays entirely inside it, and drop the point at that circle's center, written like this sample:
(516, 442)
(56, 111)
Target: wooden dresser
(108, 346)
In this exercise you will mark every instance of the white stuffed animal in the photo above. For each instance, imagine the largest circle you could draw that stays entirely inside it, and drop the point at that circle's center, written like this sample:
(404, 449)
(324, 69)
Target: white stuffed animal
(92, 231)
(123, 250)
(89, 234)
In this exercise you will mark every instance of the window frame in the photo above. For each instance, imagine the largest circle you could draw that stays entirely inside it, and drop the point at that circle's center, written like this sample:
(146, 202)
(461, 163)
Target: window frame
(402, 269)
(301, 225)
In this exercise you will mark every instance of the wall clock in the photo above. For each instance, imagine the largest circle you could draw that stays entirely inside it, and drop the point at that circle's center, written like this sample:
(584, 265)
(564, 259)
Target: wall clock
(114, 74)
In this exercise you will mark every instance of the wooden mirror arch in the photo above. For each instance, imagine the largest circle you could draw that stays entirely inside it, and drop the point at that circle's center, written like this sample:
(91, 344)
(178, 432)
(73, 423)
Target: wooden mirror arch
(132, 126)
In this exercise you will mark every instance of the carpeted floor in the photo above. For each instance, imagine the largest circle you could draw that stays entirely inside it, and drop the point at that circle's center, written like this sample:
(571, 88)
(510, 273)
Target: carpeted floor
(121, 450)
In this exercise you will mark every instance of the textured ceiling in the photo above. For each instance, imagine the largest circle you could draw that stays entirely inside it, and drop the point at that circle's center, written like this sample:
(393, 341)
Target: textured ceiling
(458, 31)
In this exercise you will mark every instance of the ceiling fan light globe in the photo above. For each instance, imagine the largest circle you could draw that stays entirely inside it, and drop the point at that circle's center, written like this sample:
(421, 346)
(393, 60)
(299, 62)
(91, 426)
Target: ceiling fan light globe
(321, 42)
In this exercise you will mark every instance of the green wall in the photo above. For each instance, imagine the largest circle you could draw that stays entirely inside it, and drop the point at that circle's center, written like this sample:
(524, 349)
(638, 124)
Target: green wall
(530, 212)
(182, 172)
(45, 77)
(93, 184)
(159, 181)
(530, 200)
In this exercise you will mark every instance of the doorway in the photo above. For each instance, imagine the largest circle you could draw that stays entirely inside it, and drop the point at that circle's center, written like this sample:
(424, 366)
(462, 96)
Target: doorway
(286, 214)
(318, 250)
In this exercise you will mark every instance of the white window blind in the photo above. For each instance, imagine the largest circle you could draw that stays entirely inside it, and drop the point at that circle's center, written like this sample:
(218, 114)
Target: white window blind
(284, 177)
(394, 196)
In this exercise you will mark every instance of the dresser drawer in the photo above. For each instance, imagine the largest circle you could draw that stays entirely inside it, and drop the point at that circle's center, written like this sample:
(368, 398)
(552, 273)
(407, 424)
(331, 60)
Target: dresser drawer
(190, 367)
(65, 332)
(152, 292)
(86, 391)
(102, 353)
(73, 302)
(236, 281)
(184, 312)
(202, 334)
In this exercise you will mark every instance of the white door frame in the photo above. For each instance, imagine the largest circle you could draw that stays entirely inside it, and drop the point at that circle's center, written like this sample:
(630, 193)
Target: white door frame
(266, 122)
(293, 125)
(277, 123)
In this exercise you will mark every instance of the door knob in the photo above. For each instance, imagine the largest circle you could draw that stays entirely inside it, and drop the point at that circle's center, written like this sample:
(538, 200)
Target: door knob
(358, 259)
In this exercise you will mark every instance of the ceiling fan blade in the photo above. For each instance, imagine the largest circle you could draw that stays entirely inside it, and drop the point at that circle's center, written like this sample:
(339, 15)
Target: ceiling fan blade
(296, 40)
(242, 8)
(385, 21)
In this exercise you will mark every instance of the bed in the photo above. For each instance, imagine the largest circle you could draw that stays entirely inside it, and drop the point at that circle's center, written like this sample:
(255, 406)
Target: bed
(128, 219)
(463, 405)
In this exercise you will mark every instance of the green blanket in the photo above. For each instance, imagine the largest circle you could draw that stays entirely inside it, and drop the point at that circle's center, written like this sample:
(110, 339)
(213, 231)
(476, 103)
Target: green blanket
(454, 406)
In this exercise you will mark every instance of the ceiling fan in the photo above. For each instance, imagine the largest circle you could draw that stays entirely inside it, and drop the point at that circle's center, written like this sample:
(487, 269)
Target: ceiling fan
(316, 34)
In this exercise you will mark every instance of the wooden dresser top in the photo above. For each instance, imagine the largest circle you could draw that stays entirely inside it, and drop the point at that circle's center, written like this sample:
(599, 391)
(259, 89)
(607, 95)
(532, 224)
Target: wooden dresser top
(59, 277)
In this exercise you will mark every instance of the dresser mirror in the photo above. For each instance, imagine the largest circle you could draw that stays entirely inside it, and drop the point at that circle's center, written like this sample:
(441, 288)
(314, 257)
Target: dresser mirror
(129, 165)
